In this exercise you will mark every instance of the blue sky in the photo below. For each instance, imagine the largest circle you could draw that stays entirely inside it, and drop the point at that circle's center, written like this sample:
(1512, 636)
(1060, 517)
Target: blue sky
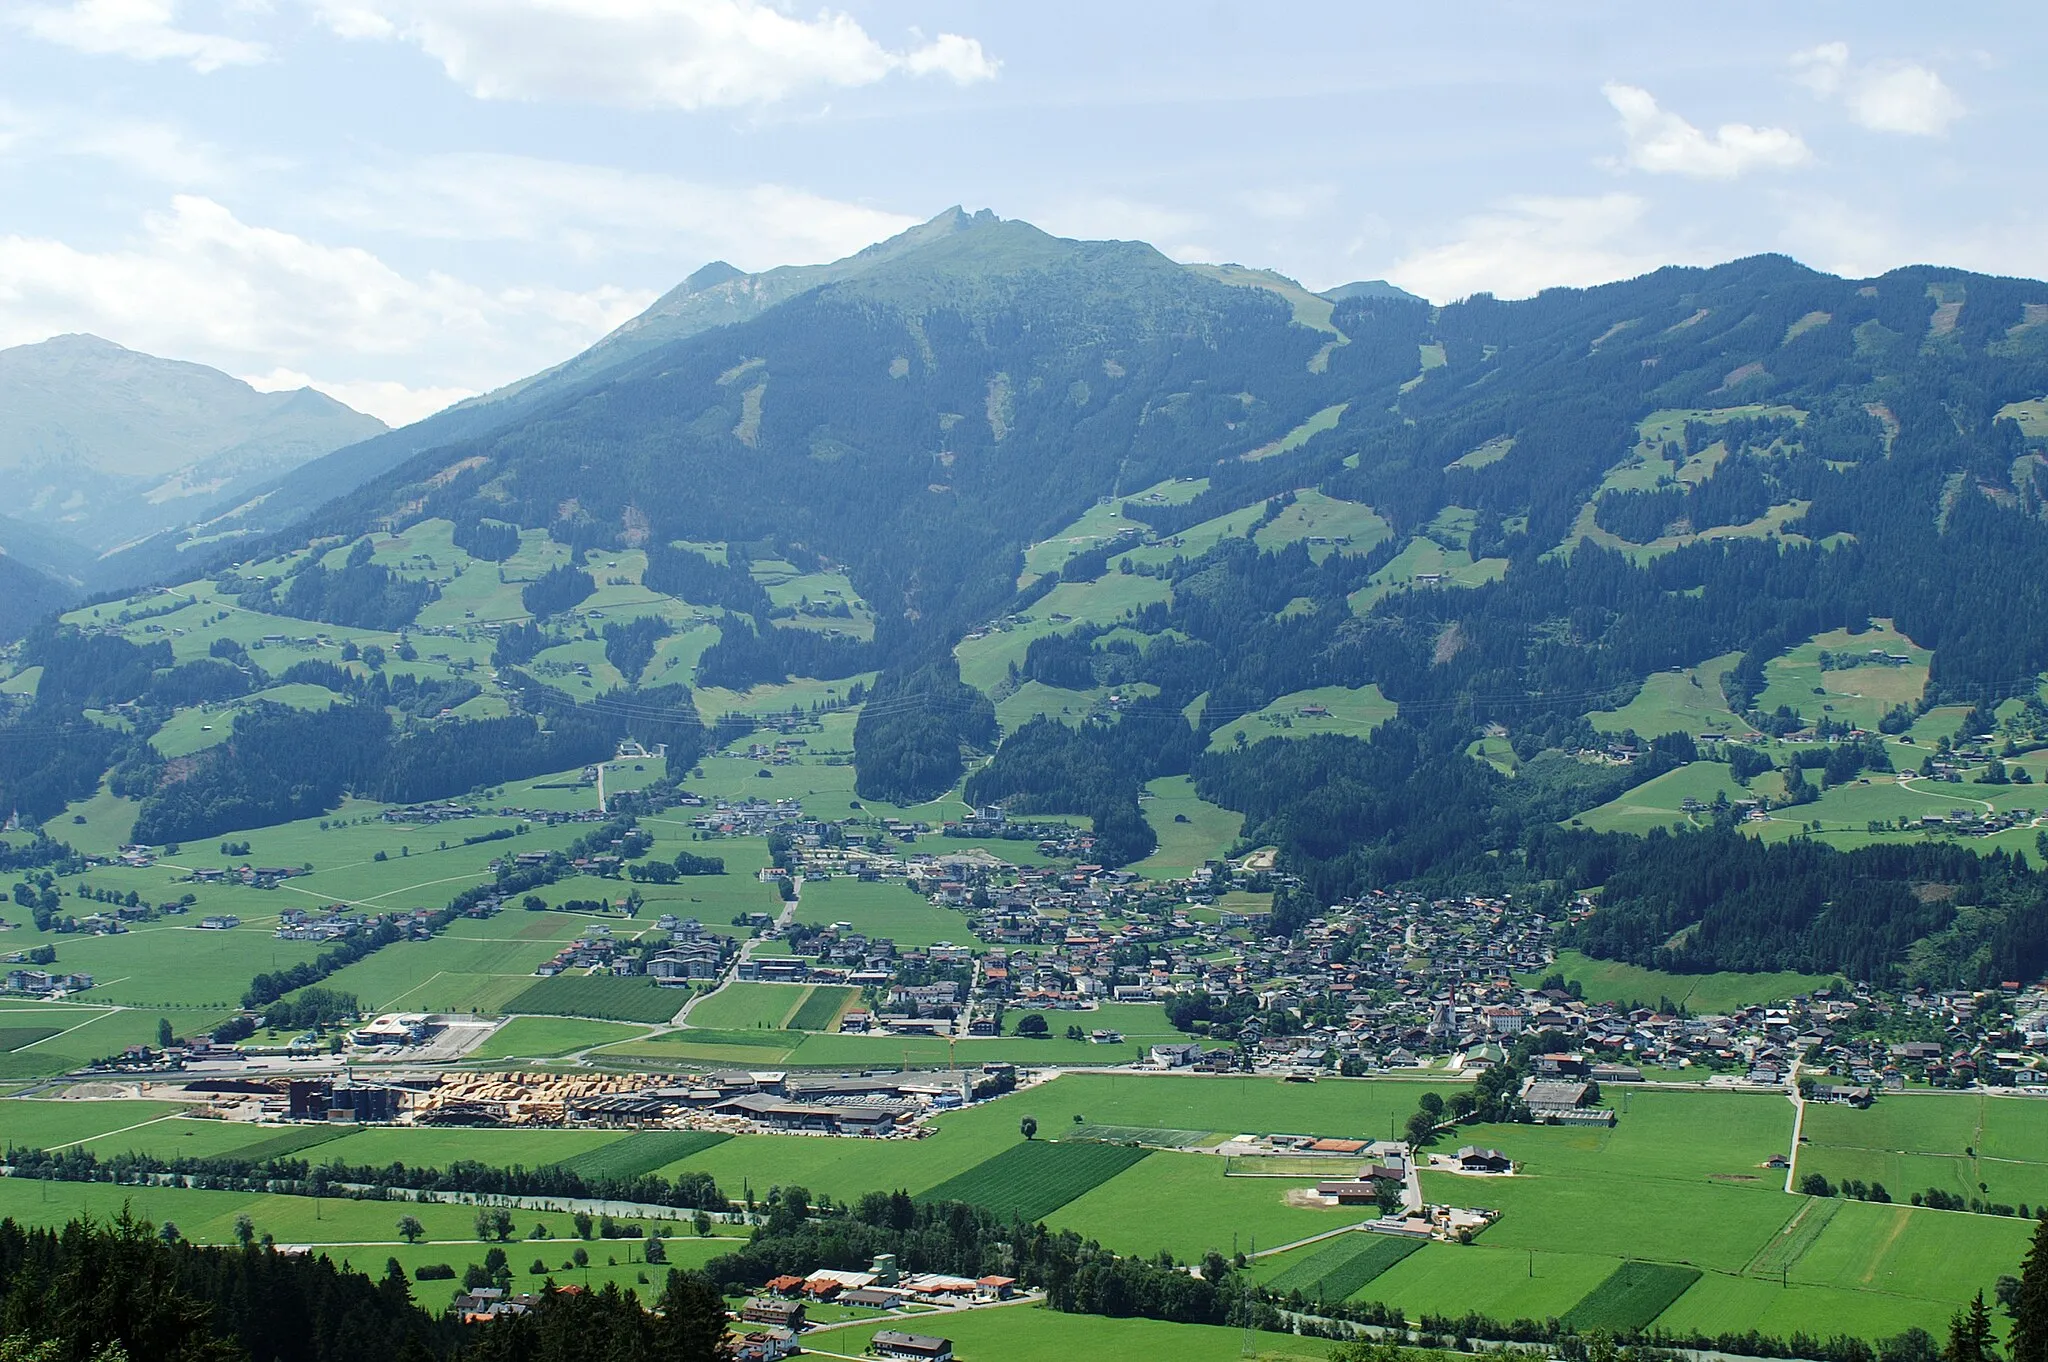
(404, 201)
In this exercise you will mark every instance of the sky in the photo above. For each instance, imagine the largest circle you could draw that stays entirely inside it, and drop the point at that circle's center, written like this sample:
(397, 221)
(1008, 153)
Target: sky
(402, 202)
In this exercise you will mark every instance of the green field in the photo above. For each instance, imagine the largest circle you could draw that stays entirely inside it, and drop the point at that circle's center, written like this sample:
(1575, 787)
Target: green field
(1338, 1270)
(1207, 835)
(642, 1152)
(1031, 1180)
(550, 1037)
(822, 1007)
(882, 908)
(1685, 701)
(611, 997)
(1032, 1334)
(1353, 713)
(1962, 1144)
(1619, 982)
(1636, 1294)
(741, 1005)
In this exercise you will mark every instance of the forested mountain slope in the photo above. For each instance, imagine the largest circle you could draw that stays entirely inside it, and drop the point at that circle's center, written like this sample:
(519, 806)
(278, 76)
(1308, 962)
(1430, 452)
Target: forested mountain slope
(1001, 475)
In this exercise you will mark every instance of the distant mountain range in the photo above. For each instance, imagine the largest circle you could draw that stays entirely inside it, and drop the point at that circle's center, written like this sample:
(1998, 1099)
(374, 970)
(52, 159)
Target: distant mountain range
(103, 446)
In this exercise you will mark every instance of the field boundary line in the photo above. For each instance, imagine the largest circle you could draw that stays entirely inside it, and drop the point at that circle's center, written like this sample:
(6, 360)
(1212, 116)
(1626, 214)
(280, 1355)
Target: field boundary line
(111, 1010)
(109, 1134)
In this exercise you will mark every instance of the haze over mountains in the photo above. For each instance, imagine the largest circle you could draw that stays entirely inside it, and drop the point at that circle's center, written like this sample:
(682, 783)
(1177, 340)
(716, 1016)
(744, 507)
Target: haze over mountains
(103, 446)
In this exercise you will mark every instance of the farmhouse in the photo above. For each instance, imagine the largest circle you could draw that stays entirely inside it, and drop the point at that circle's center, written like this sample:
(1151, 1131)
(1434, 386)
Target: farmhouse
(1473, 1159)
(912, 1347)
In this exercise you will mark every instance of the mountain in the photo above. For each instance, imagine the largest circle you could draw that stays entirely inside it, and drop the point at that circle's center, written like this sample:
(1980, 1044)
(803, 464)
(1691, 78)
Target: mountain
(715, 295)
(1370, 288)
(1077, 519)
(104, 445)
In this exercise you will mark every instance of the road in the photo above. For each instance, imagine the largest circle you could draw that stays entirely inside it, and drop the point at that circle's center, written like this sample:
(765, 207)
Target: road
(1798, 1124)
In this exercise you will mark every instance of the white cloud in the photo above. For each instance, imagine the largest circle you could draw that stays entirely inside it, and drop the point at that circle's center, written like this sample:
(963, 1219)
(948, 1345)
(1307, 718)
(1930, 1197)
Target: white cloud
(960, 59)
(390, 402)
(1663, 143)
(591, 211)
(683, 54)
(1531, 244)
(155, 151)
(199, 283)
(1888, 96)
(144, 30)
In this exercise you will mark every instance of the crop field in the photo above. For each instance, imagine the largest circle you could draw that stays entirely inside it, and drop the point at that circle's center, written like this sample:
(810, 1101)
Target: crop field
(551, 1037)
(1636, 1294)
(439, 1146)
(365, 1231)
(1338, 1270)
(610, 997)
(173, 962)
(642, 1152)
(1339, 1108)
(822, 1007)
(774, 1007)
(1450, 1279)
(1031, 1180)
(292, 1140)
(1209, 832)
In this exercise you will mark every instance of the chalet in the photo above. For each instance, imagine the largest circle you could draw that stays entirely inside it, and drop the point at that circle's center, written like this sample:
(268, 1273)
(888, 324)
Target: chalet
(1177, 1056)
(768, 1310)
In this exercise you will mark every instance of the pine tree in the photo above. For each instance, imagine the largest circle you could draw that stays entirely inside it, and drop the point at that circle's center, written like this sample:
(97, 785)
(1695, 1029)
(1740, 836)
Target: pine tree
(1969, 1335)
(2029, 1338)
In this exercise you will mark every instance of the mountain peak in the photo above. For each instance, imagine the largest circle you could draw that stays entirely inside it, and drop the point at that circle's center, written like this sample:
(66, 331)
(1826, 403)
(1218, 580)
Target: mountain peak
(1371, 288)
(711, 276)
